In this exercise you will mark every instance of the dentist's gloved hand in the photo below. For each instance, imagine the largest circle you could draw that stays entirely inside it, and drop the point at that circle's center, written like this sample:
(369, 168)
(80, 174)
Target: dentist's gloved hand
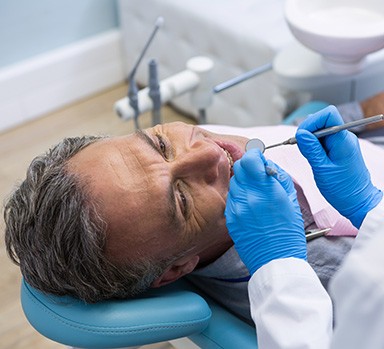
(338, 166)
(262, 214)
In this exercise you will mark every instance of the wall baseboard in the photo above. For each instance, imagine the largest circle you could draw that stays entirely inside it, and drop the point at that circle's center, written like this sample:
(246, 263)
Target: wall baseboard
(46, 82)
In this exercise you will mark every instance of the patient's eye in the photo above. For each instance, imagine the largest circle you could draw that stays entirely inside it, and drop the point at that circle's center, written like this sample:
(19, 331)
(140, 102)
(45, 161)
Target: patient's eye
(162, 145)
(183, 201)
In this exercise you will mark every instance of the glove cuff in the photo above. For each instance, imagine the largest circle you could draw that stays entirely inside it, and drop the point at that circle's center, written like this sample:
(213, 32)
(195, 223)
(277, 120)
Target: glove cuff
(372, 201)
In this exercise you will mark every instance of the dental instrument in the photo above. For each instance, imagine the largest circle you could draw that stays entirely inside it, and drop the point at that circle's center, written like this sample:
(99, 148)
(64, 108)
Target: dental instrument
(315, 233)
(133, 90)
(243, 77)
(154, 92)
(256, 143)
(196, 79)
(202, 116)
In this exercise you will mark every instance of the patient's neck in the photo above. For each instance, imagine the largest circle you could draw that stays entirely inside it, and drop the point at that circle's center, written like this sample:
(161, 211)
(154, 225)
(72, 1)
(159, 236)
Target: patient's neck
(212, 253)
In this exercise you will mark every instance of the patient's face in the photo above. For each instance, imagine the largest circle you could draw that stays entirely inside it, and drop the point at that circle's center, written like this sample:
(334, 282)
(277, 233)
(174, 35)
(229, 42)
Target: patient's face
(162, 190)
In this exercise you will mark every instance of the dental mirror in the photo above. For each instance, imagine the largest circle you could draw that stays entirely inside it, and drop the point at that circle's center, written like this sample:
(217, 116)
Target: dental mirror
(255, 143)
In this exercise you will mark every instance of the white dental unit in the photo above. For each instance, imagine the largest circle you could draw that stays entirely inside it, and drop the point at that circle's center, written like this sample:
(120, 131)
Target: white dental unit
(339, 57)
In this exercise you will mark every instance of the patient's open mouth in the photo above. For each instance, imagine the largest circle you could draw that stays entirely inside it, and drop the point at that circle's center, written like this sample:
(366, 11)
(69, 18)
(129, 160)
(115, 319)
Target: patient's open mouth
(229, 158)
(233, 153)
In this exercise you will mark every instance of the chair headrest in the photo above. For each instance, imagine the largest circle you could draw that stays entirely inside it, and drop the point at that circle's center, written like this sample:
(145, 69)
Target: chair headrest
(162, 314)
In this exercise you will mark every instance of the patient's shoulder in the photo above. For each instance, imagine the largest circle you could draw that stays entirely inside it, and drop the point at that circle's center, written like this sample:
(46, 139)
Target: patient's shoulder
(325, 255)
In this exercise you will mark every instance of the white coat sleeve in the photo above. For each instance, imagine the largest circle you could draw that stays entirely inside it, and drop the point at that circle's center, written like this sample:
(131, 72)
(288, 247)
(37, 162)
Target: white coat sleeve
(358, 288)
(289, 306)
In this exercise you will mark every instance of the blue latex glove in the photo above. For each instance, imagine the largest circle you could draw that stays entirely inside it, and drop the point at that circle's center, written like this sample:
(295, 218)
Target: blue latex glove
(338, 166)
(262, 214)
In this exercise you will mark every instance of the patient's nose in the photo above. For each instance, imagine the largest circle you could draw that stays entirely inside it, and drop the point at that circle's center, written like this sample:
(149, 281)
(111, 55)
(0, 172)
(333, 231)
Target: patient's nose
(200, 161)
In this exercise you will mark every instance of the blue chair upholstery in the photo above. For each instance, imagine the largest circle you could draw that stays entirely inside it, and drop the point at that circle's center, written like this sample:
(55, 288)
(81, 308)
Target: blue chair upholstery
(303, 111)
(163, 314)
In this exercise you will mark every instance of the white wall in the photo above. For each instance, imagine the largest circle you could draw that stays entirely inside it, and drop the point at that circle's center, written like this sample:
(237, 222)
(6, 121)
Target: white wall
(29, 28)
(55, 52)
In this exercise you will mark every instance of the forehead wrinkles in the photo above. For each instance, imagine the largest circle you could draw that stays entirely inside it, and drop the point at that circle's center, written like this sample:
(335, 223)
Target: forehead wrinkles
(136, 174)
(147, 217)
(159, 178)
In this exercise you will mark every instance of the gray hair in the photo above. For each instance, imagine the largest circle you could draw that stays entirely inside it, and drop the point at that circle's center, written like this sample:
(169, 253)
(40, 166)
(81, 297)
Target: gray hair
(56, 236)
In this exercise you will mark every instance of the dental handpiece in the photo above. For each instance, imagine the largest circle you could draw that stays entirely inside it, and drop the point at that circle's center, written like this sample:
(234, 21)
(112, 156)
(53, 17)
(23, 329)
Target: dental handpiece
(257, 143)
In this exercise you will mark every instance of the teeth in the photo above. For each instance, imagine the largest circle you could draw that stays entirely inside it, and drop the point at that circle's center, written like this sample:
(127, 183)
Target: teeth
(229, 158)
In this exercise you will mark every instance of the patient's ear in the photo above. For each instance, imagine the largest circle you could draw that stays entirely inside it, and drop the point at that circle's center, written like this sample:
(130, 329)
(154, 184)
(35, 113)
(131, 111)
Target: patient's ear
(179, 268)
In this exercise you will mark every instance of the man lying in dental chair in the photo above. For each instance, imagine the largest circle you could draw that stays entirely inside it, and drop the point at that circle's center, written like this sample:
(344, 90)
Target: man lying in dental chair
(109, 217)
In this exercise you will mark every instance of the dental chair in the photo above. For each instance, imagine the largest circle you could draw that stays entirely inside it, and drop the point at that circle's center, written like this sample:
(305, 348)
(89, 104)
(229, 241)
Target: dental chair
(163, 314)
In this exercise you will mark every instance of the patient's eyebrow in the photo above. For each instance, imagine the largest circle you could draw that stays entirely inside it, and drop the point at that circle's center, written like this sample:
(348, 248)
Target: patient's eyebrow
(148, 140)
(172, 205)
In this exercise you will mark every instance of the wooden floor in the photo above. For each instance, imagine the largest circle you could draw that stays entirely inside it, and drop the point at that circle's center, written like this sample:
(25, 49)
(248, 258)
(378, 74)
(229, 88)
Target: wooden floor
(17, 148)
